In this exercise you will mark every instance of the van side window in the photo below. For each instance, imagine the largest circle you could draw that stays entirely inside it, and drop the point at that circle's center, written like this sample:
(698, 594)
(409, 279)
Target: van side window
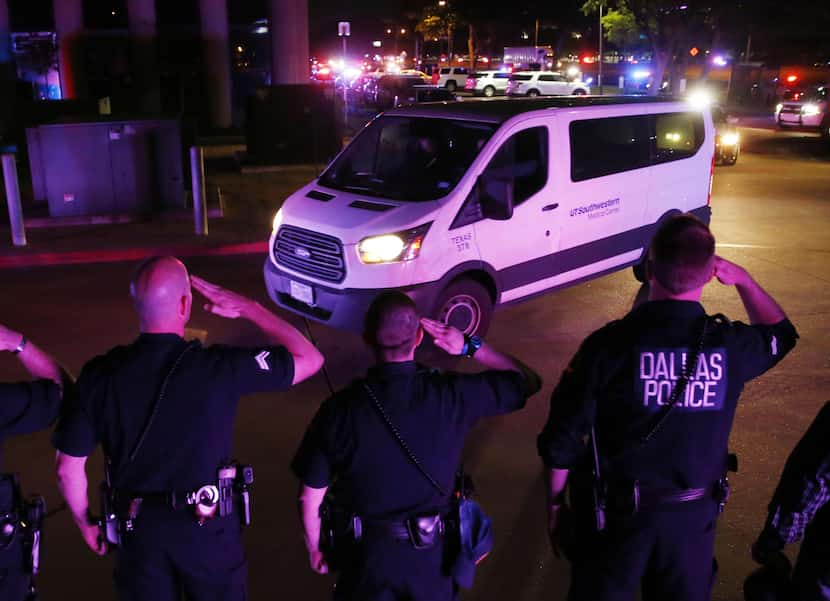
(520, 166)
(677, 136)
(605, 146)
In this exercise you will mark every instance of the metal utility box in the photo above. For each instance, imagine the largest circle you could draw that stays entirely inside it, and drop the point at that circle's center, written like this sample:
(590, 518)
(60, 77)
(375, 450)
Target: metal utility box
(107, 167)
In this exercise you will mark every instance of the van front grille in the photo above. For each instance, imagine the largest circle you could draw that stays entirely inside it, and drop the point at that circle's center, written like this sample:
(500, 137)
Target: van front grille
(310, 253)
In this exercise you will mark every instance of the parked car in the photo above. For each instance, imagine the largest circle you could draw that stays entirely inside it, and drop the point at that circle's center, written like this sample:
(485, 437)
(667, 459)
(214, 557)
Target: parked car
(421, 74)
(544, 83)
(805, 108)
(393, 90)
(451, 78)
(727, 139)
(487, 83)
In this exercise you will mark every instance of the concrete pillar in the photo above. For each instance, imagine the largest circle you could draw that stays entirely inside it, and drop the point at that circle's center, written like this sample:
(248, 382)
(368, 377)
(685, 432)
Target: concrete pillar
(69, 25)
(288, 21)
(216, 60)
(5, 33)
(142, 25)
(7, 74)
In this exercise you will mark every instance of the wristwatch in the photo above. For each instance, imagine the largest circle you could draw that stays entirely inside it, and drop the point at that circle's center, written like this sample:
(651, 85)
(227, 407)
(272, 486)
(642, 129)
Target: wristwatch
(471, 345)
(21, 346)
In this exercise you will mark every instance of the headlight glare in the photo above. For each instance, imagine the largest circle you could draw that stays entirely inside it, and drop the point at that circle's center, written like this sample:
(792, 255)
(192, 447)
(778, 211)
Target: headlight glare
(729, 139)
(380, 249)
(778, 107)
(277, 221)
(390, 248)
(810, 110)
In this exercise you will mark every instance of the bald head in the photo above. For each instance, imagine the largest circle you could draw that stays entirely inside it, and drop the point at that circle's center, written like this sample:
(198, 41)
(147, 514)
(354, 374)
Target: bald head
(161, 294)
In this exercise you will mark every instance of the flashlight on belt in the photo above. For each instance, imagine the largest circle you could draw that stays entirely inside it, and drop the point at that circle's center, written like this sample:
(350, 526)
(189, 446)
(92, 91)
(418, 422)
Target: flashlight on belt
(244, 481)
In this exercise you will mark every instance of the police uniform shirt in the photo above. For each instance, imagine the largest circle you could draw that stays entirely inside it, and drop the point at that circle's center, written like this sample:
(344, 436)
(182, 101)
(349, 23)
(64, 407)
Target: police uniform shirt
(622, 378)
(26, 407)
(349, 442)
(191, 434)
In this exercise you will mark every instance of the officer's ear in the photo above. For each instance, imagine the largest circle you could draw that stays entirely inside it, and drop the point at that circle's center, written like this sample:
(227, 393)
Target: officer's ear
(185, 304)
(419, 336)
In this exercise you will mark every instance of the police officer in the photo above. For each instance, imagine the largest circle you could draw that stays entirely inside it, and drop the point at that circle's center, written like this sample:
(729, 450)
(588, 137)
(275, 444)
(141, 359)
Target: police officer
(659, 388)
(24, 407)
(163, 410)
(350, 446)
(799, 509)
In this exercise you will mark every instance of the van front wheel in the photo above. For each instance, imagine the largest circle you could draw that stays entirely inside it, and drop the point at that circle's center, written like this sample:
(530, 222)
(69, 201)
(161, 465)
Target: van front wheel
(465, 305)
(639, 270)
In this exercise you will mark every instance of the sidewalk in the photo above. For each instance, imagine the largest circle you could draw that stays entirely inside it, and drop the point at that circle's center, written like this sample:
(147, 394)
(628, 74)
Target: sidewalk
(250, 202)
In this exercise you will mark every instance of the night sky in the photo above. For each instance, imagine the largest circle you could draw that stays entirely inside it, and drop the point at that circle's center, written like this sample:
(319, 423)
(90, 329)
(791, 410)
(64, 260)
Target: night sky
(799, 33)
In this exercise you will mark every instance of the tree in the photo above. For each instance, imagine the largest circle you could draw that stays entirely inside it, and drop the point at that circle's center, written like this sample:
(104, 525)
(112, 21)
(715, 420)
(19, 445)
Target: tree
(437, 23)
(669, 27)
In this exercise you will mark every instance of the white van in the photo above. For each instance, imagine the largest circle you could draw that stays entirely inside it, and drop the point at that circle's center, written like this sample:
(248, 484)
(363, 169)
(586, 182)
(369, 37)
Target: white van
(466, 206)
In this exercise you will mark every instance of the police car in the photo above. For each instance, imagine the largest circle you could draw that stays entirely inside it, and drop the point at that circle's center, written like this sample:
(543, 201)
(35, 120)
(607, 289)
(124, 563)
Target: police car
(807, 109)
(467, 206)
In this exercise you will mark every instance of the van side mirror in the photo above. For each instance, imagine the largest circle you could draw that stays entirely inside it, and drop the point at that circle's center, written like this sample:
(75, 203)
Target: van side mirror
(496, 198)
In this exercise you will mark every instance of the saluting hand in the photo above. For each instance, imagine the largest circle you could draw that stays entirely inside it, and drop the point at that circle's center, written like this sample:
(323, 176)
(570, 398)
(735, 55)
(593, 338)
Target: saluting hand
(220, 301)
(729, 273)
(446, 337)
(9, 339)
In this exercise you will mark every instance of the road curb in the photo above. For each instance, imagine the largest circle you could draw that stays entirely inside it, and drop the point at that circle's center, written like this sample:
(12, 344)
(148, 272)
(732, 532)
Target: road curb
(129, 254)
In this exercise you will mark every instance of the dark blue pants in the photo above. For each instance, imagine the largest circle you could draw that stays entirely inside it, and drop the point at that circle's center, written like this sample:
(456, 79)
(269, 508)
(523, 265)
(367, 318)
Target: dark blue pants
(169, 555)
(14, 580)
(668, 553)
(389, 570)
(811, 574)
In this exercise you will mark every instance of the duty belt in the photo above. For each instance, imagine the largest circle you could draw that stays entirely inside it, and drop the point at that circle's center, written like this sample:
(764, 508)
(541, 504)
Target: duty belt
(174, 499)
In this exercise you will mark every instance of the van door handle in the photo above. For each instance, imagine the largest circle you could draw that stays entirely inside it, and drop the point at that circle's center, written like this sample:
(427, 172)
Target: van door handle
(550, 207)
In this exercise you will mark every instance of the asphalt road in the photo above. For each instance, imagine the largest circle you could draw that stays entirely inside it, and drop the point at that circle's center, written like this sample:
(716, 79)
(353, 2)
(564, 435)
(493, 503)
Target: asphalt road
(771, 212)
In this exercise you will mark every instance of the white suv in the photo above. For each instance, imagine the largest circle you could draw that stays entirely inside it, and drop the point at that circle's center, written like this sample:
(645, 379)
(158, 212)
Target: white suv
(544, 83)
(452, 78)
(808, 109)
(487, 83)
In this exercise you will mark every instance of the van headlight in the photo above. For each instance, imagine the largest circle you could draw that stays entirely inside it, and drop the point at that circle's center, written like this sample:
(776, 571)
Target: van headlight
(778, 107)
(390, 248)
(809, 110)
(277, 221)
(729, 139)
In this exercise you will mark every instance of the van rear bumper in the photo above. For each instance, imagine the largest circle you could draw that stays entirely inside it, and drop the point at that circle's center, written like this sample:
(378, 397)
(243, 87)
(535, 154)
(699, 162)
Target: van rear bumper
(343, 309)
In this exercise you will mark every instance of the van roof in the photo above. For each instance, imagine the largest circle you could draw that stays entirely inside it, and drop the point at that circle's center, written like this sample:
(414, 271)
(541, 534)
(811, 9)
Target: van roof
(499, 110)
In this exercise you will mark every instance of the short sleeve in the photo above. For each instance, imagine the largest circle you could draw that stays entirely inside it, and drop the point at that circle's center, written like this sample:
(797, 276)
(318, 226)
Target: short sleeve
(760, 347)
(256, 369)
(75, 433)
(28, 406)
(312, 463)
(572, 411)
(489, 393)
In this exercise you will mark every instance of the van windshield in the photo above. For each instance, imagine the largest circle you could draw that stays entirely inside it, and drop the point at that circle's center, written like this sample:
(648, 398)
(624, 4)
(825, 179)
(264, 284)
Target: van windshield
(408, 158)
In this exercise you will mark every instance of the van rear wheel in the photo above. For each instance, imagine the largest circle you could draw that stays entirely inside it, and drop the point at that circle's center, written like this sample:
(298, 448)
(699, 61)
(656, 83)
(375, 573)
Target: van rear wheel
(466, 305)
(533, 93)
(451, 85)
(489, 91)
